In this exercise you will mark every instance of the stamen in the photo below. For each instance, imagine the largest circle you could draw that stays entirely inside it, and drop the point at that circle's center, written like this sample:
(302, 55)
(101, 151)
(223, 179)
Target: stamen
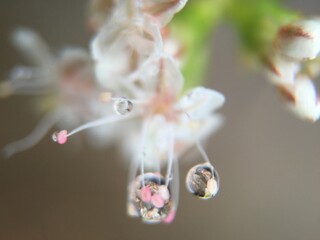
(60, 137)
(101, 121)
(25, 81)
(199, 146)
(142, 168)
(170, 156)
(175, 184)
(202, 151)
(35, 136)
(174, 193)
(133, 170)
(142, 146)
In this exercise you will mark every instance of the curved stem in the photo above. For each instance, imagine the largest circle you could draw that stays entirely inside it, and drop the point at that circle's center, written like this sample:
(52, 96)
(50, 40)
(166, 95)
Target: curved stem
(35, 136)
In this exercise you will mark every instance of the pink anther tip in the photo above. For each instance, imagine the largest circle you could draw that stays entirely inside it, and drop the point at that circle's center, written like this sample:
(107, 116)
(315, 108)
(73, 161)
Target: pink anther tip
(60, 137)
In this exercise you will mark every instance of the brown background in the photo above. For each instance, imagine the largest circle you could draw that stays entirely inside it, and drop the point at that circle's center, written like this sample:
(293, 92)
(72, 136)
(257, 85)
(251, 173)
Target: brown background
(267, 159)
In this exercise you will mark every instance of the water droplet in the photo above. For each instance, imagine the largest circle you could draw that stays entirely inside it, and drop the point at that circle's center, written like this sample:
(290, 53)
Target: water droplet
(122, 106)
(146, 197)
(203, 181)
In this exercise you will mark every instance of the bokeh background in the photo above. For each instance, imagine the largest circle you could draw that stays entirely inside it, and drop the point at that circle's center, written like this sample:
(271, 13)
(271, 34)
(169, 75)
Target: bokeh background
(268, 160)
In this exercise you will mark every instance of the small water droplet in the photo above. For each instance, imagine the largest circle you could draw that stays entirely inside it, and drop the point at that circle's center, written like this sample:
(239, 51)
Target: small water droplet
(146, 196)
(203, 181)
(122, 106)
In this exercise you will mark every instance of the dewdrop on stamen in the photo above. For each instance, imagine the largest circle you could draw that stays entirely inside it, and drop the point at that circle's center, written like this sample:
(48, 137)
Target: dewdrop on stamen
(122, 106)
(203, 181)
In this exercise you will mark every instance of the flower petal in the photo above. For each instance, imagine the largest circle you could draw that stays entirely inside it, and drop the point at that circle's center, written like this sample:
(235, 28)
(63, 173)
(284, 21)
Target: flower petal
(162, 11)
(306, 104)
(200, 102)
(300, 40)
(33, 47)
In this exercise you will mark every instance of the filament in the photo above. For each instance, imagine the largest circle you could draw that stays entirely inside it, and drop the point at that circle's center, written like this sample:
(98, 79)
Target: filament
(170, 156)
(199, 146)
(143, 146)
(101, 121)
(175, 183)
(35, 136)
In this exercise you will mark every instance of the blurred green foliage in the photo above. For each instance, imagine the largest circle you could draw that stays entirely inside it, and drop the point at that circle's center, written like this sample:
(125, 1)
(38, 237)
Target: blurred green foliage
(255, 23)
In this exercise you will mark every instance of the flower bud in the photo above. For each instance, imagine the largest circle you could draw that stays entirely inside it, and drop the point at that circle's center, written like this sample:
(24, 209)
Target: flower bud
(300, 40)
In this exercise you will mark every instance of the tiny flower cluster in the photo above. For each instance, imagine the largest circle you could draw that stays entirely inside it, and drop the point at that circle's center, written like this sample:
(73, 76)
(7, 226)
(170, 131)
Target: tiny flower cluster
(294, 64)
(141, 102)
(64, 85)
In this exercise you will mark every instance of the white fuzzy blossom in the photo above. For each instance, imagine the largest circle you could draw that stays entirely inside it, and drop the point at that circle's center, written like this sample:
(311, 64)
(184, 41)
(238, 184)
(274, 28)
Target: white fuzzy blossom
(64, 84)
(143, 104)
(293, 65)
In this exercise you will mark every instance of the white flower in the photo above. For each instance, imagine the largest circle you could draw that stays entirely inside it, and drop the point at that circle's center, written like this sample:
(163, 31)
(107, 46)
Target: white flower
(151, 117)
(122, 46)
(300, 40)
(162, 125)
(293, 63)
(64, 85)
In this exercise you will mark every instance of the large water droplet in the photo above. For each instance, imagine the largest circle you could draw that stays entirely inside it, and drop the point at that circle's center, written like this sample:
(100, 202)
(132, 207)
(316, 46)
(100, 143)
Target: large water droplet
(203, 181)
(150, 198)
(122, 106)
